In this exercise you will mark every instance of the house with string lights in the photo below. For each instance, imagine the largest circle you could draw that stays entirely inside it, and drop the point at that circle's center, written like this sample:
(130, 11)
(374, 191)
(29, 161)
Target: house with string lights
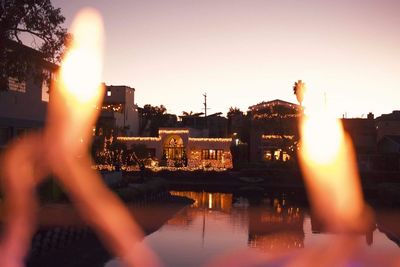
(274, 130)
(178, 147)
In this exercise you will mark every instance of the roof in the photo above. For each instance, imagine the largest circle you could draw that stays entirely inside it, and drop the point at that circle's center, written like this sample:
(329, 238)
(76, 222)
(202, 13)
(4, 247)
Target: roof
(19, 47)
(114, 87)
(273, 103)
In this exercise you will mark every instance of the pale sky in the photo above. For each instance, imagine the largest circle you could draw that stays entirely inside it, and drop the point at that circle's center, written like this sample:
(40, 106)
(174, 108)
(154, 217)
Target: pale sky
(242, 52)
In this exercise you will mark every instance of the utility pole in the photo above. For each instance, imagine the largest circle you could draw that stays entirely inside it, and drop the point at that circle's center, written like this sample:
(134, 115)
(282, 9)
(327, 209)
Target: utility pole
(205, 112)
(205, 104)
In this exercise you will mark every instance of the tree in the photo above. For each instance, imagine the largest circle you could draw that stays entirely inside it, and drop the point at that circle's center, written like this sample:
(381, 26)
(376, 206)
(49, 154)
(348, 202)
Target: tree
(238, 123)
(154, 117)
(299, 90)
(34, 20)
(234, 111)
(185, 113)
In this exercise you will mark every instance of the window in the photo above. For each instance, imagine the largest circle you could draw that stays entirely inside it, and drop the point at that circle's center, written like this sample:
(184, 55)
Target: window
(213, 154)
(267, 155)
(47, 78)
(205, 154)
(108, 92)
(220, 152)
(15, 85)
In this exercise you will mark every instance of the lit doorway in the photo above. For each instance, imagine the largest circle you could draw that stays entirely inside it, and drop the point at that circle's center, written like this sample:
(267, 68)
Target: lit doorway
(173, 148)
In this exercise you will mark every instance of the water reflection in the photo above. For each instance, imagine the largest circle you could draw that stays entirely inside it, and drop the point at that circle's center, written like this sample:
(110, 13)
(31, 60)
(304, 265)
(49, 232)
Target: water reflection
(213, 201)
(220, 222)
(276, 227)
(271, 225)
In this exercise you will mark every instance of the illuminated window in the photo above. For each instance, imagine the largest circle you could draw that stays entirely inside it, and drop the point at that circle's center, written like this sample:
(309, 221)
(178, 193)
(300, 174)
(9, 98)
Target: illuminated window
(108, 92)
(267, 155)
(277, 154)
(214, 154)
(220, 152)
(205, 154)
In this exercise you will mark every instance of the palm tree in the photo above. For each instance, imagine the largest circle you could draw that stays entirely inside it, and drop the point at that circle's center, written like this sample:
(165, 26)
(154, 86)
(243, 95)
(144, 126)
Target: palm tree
(299, 90)
(185, 113)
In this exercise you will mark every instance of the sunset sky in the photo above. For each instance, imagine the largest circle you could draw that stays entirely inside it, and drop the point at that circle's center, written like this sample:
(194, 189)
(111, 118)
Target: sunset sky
(242, 52)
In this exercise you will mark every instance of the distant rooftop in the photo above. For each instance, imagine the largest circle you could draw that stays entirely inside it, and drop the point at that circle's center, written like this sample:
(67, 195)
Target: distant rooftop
(394, 116)
(274, 103)
(119, 86)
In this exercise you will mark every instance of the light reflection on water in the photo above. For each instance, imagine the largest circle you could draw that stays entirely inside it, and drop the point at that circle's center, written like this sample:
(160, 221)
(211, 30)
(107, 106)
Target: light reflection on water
(217, 223)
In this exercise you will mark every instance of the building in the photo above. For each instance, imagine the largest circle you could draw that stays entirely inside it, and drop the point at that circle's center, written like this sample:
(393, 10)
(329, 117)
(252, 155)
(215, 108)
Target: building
(176, 146)
(388, 124)
(275, 109)
(390, 144)
(23, 105)
(362, 133)
(389, 151)
(213, 125)
(119, 114)
(274, 130)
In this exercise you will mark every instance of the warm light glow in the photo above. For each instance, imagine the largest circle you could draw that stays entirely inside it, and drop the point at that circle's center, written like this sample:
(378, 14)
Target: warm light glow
(321, 138)
(82, 65)
(329, 168)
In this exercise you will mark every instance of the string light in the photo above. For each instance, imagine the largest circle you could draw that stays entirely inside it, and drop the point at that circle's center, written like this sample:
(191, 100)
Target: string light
(173, 131)
(273, 136)
(127, 139)
(222, 140)
(194, 161)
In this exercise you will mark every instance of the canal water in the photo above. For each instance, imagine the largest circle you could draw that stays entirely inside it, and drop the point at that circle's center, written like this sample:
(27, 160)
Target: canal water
(219, 223)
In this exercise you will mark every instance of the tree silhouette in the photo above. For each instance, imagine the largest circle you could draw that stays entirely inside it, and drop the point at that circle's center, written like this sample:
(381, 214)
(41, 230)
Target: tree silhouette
(234, 111)
(26, 18)
(153, 117)
(185, 113)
